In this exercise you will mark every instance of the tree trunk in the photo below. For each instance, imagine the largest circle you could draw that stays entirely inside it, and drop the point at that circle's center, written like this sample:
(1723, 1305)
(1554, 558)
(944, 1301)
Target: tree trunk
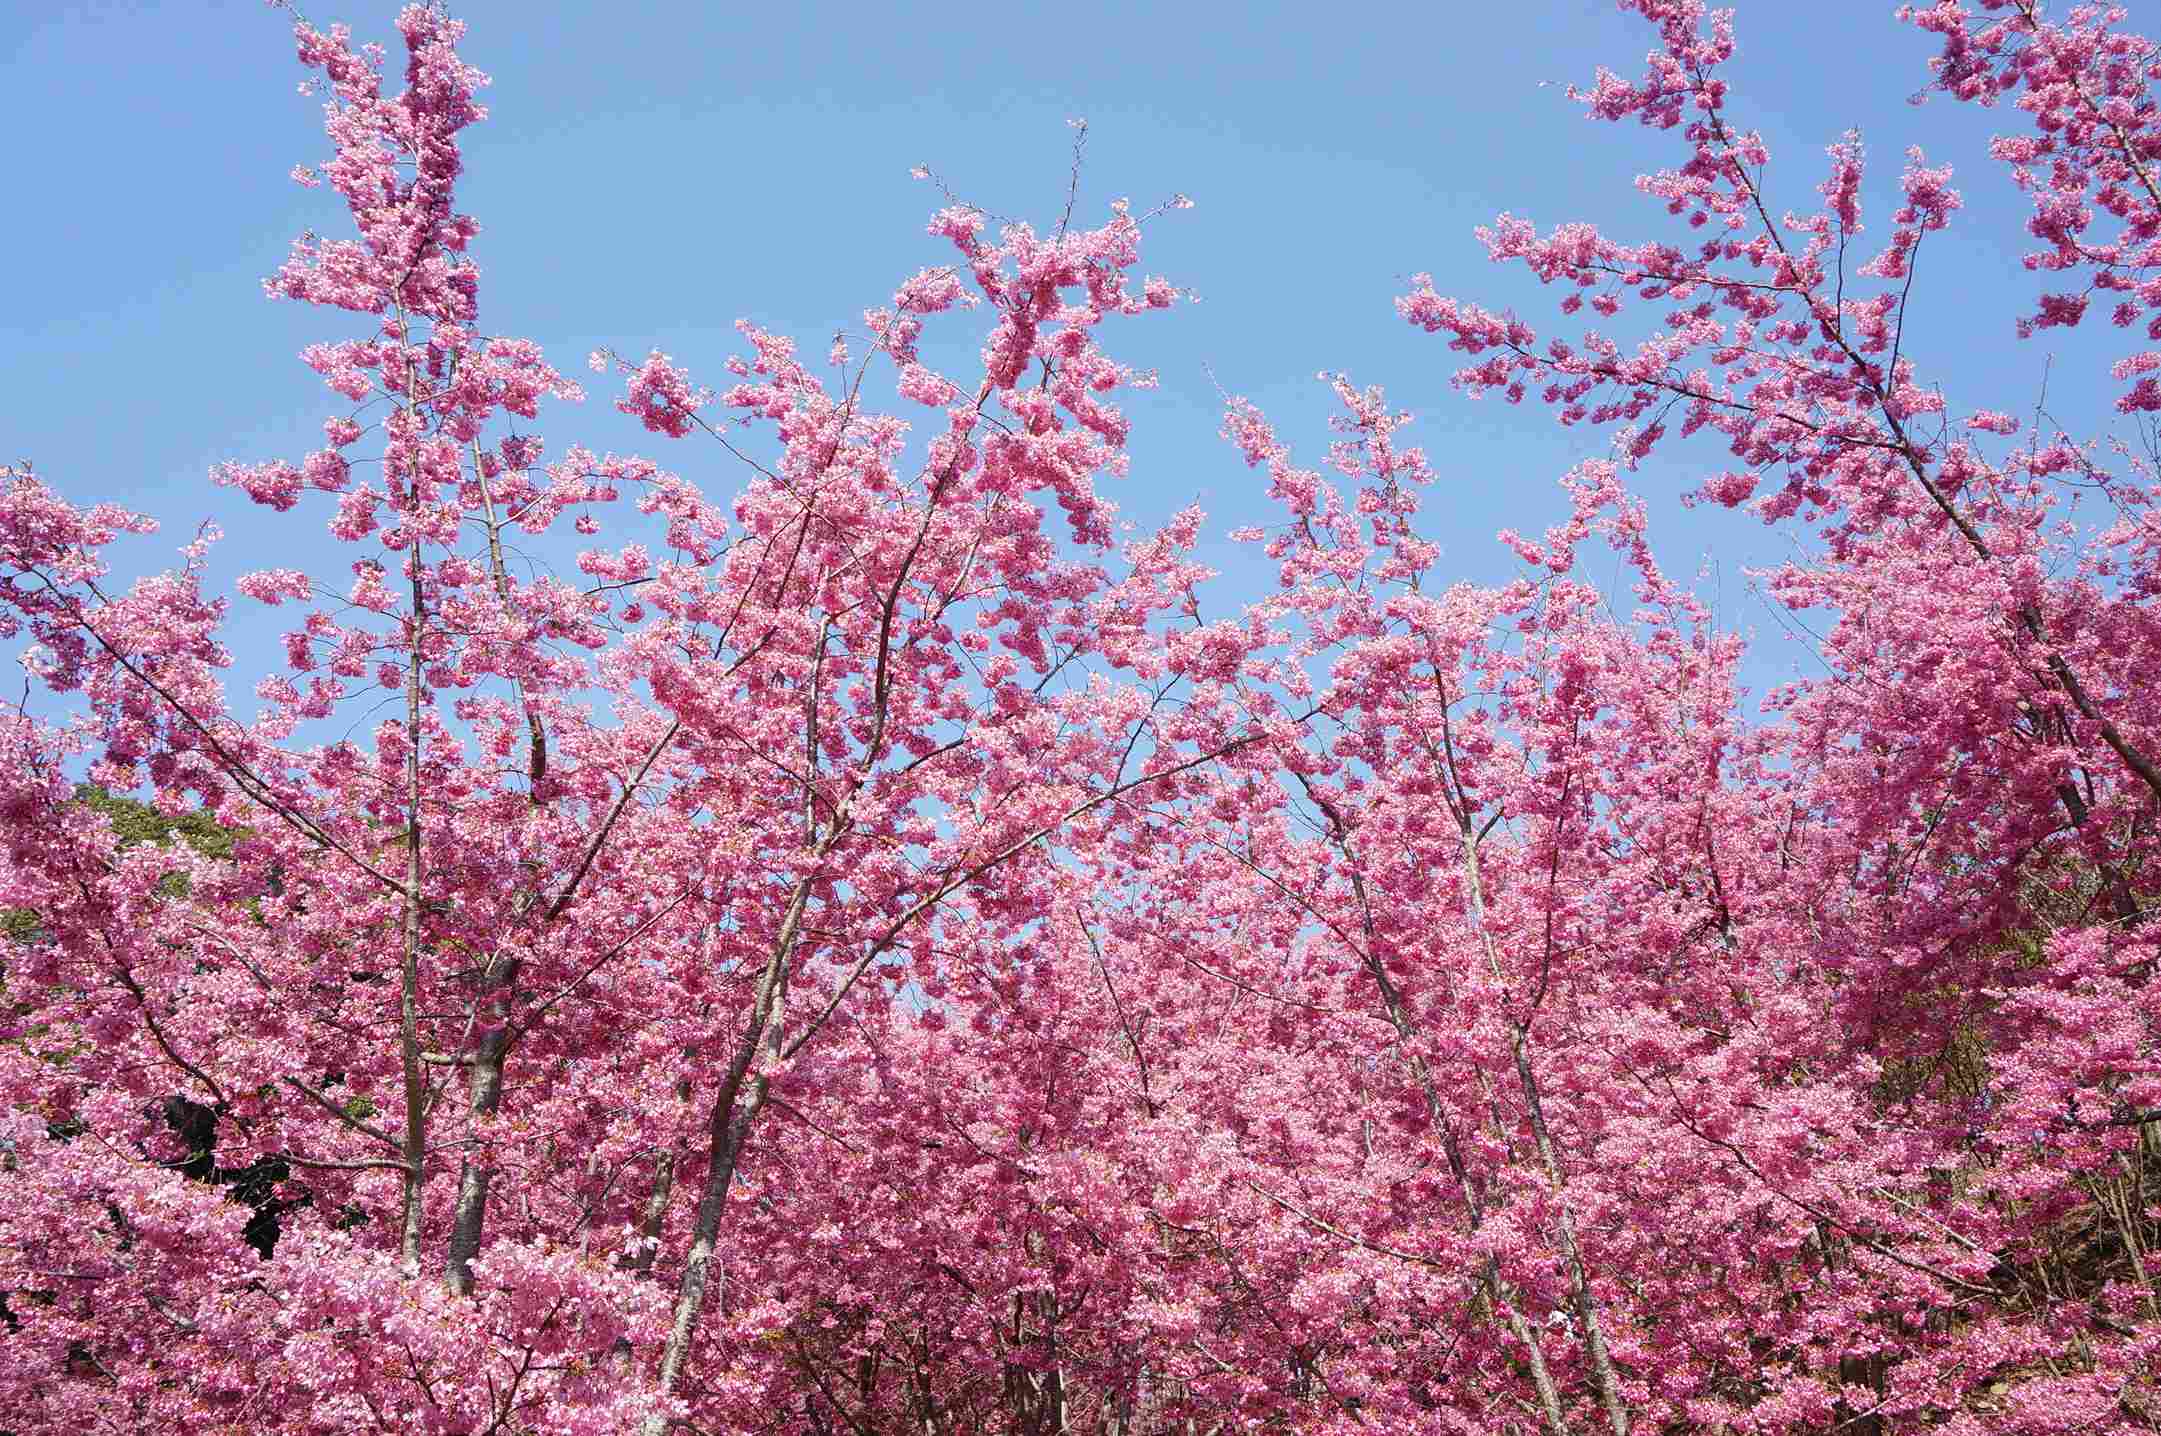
(727, 1131)
(486, 1087)
(413, 1149)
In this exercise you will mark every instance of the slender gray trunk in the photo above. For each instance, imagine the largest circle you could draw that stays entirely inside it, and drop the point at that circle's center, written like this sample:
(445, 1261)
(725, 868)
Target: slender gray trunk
(655, 1216)
(486, 1088)
(485, 1070)
(1502, 1292)
(735, 1109)
(1549, 1395)
(1594, 1336)
(413, 1149)
(536, 759)
(654, 1219)
(1519, 1042)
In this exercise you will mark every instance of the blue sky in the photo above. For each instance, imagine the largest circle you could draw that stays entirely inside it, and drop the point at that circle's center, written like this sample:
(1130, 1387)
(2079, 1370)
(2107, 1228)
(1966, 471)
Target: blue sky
(653, 171)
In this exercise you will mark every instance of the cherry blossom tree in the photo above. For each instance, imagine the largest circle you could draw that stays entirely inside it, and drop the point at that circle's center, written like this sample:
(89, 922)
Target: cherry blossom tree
(863, 952)
(510, 989)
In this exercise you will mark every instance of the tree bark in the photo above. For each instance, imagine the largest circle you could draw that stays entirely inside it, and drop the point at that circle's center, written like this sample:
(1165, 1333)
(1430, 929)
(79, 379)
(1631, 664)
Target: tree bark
(486, 1089)
(735, 1109)
(413, 1148)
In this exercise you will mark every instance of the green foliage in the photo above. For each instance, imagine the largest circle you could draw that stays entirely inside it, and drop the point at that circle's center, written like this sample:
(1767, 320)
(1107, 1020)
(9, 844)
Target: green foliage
(136, 822)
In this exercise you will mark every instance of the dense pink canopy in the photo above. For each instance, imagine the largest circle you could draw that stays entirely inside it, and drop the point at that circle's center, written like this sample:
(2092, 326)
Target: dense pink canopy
(865, 953)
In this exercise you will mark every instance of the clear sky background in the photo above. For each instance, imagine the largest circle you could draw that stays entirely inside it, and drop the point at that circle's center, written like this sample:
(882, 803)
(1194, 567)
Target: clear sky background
(650, 172)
